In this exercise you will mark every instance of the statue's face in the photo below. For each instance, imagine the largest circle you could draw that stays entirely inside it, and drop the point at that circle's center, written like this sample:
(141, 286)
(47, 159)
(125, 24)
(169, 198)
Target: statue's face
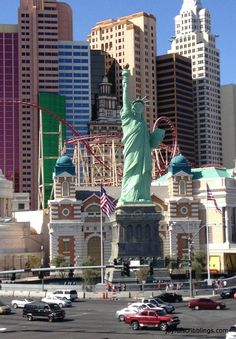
(138, 108)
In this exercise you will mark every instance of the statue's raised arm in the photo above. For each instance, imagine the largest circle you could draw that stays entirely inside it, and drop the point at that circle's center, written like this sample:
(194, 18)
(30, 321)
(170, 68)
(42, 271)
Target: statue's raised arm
(125, 84)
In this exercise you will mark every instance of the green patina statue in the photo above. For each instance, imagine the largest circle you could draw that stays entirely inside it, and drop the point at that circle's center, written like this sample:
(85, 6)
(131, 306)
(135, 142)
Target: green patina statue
(138, 142)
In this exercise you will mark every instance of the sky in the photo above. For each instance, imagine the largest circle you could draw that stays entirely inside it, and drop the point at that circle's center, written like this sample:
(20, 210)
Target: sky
(87, 12)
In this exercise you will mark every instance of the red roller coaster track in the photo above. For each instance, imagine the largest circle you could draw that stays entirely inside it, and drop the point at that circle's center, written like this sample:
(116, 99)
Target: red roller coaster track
(162, 156)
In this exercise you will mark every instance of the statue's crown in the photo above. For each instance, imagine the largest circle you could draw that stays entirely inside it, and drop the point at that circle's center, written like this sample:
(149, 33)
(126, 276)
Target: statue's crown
(143, 101)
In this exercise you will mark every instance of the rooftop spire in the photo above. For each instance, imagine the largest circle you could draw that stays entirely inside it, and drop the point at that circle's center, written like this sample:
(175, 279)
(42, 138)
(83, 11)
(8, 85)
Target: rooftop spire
(191, 5)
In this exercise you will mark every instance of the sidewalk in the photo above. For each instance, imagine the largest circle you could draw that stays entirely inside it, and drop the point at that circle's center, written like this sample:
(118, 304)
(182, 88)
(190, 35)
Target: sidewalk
(36, 292)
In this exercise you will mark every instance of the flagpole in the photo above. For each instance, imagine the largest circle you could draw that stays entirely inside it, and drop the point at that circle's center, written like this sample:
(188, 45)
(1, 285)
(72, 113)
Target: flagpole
(108, 207)
(101, 235)
(207, 243)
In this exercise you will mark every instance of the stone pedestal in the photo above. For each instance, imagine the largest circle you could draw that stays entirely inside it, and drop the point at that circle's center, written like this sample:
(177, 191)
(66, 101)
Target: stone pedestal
(135, 232)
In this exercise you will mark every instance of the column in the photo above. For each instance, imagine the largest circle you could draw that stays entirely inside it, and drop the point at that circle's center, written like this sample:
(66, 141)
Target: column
(227, 223)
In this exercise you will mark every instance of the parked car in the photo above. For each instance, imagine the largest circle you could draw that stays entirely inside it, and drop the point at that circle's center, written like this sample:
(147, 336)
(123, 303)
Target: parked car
(62, 302)
(170, 297)
(231, 334)
(120, 314)
(68, 294)
(36, 310)
(159, 303)
(205, 304)
(152, 318)
(20, 303)
(4, 309)
(228, 293)
(143, 306)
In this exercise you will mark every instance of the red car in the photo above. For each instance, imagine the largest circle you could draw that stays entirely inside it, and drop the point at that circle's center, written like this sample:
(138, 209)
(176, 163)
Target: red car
(205, 304)
(152, 318)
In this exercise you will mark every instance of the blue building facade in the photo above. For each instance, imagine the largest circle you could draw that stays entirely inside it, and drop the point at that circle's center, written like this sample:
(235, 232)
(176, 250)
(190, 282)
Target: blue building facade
(74, 84)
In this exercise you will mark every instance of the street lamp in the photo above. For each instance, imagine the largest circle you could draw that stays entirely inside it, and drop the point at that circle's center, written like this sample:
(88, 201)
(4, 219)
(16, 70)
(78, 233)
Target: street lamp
(171, 224)
(41, 248)
(190, 250)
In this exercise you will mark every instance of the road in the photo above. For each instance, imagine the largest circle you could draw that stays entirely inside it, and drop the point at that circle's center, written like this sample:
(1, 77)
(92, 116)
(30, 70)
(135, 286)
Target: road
(96, 319)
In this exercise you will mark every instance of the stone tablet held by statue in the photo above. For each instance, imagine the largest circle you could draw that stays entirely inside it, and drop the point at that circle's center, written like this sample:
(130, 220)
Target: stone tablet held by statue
(138, 143)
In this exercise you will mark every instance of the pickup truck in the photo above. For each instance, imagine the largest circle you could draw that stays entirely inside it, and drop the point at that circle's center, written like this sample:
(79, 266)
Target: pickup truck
(152, 318)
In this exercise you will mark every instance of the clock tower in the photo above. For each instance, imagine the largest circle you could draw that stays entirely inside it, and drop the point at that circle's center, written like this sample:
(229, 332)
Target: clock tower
(183, 214)
(65, 224)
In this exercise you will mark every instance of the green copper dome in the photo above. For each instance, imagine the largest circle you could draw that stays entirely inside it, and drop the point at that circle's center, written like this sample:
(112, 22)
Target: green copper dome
(64, 164)
(179, 163)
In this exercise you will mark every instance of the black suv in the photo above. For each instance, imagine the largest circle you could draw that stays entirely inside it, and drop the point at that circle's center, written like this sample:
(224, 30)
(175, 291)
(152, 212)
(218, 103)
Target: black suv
(228, 293)
(50, 311)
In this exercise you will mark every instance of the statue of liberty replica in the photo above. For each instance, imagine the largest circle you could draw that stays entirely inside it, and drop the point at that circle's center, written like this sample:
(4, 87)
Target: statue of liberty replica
(138, 143)
(135, 231)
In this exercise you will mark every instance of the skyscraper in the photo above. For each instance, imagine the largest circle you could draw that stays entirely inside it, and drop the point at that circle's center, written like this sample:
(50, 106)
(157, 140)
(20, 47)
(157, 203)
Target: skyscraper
(131, 39)
(41, 24)
(9, 112)
(194, 39)
(74, 84)
(101, 64)
(175, 100)
(228, 103)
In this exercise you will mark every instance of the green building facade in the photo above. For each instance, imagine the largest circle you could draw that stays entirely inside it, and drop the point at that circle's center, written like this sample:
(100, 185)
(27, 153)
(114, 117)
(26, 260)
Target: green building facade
(53, 135)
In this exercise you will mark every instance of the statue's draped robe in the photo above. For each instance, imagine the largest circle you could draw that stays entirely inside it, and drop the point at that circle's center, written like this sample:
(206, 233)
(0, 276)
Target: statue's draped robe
(138, 142)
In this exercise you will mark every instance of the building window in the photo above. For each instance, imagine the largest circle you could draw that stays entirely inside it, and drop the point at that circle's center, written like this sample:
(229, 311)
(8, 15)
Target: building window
(129, 233)
(139, 233)
(182, 187)
(66, 245)
(65, 189)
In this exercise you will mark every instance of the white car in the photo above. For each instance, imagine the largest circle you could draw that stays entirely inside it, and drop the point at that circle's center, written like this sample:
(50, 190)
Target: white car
(159, 303)
(231, 334)
(120, 314)
(20, 303)
(68, 294)
(62, 302)
(144, 306)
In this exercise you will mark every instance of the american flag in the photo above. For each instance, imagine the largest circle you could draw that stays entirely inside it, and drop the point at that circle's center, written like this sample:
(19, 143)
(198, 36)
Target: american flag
(107, 205)
(210, 196)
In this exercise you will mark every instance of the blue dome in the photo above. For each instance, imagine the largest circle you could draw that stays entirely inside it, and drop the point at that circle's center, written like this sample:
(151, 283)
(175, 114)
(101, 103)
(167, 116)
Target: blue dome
(64, 164)
(179, 160)
(64, 160)
(179, 163)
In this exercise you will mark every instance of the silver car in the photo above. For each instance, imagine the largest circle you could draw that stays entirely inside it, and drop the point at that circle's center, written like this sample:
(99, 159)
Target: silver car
(160, 303)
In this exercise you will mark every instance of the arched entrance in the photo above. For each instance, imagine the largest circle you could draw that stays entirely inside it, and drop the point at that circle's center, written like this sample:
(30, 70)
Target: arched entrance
(94, 249)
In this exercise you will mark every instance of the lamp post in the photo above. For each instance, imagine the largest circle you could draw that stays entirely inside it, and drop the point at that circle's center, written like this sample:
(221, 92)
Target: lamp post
(190, 251)
(208, 259)
(190, 248)
(173, 223)
(41, 256)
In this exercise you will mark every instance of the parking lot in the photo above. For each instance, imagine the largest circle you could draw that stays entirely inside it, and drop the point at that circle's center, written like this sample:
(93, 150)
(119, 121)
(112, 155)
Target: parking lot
(96, 319)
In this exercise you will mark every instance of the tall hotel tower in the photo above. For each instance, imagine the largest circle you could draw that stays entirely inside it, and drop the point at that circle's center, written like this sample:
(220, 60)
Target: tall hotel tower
(74, 84)
(194, 39)
(9, 112)
(41, 24)
(131, 39)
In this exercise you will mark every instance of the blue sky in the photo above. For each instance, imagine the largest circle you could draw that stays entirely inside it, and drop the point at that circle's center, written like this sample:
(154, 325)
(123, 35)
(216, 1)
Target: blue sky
(87, 12)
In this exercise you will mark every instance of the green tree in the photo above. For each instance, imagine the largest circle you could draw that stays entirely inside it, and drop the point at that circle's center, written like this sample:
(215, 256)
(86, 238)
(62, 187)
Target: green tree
(142, 274)
(34, 261)
(199, 263)
(171, 262)
(60, 261)
(90, 274)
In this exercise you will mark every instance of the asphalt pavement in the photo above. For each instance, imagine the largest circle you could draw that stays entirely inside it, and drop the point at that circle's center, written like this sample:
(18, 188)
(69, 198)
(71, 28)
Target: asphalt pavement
(89, 319)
